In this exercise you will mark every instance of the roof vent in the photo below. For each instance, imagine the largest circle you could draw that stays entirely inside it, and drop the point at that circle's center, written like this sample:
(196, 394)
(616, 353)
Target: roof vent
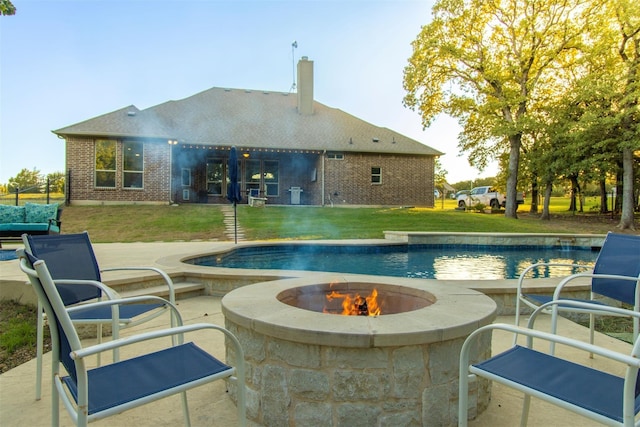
(131, 113)
(375, 140)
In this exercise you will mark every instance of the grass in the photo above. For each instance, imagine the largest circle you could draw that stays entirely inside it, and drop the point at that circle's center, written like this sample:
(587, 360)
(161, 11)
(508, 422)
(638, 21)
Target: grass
(145, 223)
(17, 334)
(618, 327)
(205, 222)
(136, 223)
(142, 223)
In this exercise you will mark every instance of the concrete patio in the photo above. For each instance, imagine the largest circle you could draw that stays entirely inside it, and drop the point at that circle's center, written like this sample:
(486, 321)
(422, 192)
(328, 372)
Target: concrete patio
(210, 405)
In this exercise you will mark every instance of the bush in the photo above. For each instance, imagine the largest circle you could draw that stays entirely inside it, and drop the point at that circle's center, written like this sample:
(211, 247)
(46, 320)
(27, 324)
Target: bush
(479, 207)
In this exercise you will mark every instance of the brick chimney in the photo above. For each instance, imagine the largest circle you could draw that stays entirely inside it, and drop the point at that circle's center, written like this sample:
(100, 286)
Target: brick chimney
(305, 86)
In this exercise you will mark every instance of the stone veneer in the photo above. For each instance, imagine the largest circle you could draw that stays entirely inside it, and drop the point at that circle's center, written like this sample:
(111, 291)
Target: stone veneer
(307, 368)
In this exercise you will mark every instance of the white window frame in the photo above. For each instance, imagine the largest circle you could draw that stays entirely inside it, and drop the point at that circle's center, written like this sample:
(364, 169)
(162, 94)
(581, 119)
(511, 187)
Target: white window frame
(132, 171)
(377, 175)
(109, 171)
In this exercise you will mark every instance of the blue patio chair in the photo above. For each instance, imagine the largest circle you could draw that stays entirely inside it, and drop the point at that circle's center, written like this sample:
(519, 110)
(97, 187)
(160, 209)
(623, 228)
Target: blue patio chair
(601, 396)
(92, 394)
(615, 276)
(70, 257)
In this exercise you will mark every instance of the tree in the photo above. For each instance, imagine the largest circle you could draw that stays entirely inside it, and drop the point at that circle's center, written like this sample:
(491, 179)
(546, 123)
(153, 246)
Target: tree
(56, 182)
(582, 136)
(26, 180)
(7, 8)
(488, 63)
(604, 99)
(439, 175)
(627, 20)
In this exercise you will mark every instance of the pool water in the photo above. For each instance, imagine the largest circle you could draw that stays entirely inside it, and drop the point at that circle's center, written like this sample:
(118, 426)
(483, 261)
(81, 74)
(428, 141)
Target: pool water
(451, 262)
(7, 254)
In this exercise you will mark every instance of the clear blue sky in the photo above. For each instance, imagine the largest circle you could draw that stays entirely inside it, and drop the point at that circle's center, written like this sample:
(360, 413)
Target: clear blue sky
(62, 62)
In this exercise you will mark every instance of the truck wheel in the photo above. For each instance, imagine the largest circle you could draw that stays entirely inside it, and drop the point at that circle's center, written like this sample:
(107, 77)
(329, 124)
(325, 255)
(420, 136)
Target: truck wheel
(462, 205)
(495, 205)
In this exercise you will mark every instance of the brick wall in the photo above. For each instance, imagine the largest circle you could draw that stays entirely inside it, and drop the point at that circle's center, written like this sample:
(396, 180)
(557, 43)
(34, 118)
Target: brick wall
(80, 161)
(406, 180)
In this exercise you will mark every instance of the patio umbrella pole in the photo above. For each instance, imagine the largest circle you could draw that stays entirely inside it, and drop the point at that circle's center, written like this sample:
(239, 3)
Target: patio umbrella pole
(233, 190)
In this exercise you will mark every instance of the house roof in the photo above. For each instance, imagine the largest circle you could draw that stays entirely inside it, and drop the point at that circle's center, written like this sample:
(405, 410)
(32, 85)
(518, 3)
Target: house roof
(251, 119)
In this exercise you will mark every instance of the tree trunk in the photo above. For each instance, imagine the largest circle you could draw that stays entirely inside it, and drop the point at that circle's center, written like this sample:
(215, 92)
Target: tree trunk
(626, 219)
(604, 202)
(547, 197)
(581, 199)
(575, 191)
(534, 196)
(619, 189)
(512, 180)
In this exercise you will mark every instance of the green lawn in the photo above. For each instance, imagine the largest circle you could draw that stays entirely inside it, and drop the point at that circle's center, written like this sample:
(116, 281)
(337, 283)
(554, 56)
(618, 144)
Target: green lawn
(194, 221)
(131, 223)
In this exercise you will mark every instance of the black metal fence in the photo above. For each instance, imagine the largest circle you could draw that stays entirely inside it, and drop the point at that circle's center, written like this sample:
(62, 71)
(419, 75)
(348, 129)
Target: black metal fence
(22, 195)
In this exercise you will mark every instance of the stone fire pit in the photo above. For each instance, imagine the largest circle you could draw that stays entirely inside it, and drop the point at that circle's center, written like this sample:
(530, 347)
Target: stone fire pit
(306, 367)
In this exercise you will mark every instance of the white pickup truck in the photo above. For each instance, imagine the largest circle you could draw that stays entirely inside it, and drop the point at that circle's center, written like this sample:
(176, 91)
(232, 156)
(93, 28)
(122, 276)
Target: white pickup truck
(487, 196)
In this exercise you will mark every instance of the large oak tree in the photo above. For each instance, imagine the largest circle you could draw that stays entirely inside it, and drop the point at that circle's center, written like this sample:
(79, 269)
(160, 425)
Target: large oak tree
(490, 63)
(623, 19)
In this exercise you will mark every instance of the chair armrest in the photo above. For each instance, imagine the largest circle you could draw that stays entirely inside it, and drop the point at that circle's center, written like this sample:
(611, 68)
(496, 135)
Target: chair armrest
(109, 293)
(583, 306)
(548, 264)
(56, 221)
(165, 277)
(53, 221)
(563, 282)
(179, 330)
(176, 317)
(532, 267)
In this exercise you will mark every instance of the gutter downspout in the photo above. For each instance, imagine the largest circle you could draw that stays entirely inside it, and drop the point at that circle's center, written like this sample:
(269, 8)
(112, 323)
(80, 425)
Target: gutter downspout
(172, 143)
(170, 174)
(324, 155)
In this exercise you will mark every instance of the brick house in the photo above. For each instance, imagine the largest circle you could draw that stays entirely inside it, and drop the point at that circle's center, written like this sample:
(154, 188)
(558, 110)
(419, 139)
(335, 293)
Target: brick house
(292, 149)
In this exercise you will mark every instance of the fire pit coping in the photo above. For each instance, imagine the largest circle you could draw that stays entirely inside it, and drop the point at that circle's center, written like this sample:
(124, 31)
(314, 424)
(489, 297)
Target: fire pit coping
(256, 307)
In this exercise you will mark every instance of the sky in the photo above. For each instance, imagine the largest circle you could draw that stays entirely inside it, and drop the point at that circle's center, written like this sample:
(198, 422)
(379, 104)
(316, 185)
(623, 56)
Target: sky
(63, 62)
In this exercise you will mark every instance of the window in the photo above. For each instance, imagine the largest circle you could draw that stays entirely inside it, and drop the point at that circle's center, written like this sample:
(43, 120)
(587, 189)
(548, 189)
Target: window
(271, 177)
(215, 172)
(185, 177)
(335, 156)
(133, 164)
(105, 163)
(376, 175)
(252, 173)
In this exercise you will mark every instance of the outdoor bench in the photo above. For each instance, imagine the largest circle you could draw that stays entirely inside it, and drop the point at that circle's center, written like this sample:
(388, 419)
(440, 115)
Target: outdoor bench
(32, 218)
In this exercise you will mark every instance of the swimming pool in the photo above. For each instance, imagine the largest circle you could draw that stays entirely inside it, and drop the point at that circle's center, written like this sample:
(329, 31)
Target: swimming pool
(7, 254)
(442, 262)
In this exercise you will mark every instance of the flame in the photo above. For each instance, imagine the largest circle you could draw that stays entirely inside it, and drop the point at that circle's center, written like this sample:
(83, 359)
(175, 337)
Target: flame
(356, 305)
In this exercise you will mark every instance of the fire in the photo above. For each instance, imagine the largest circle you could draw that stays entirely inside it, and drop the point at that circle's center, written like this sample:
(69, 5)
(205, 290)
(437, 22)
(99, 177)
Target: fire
(356, 305)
